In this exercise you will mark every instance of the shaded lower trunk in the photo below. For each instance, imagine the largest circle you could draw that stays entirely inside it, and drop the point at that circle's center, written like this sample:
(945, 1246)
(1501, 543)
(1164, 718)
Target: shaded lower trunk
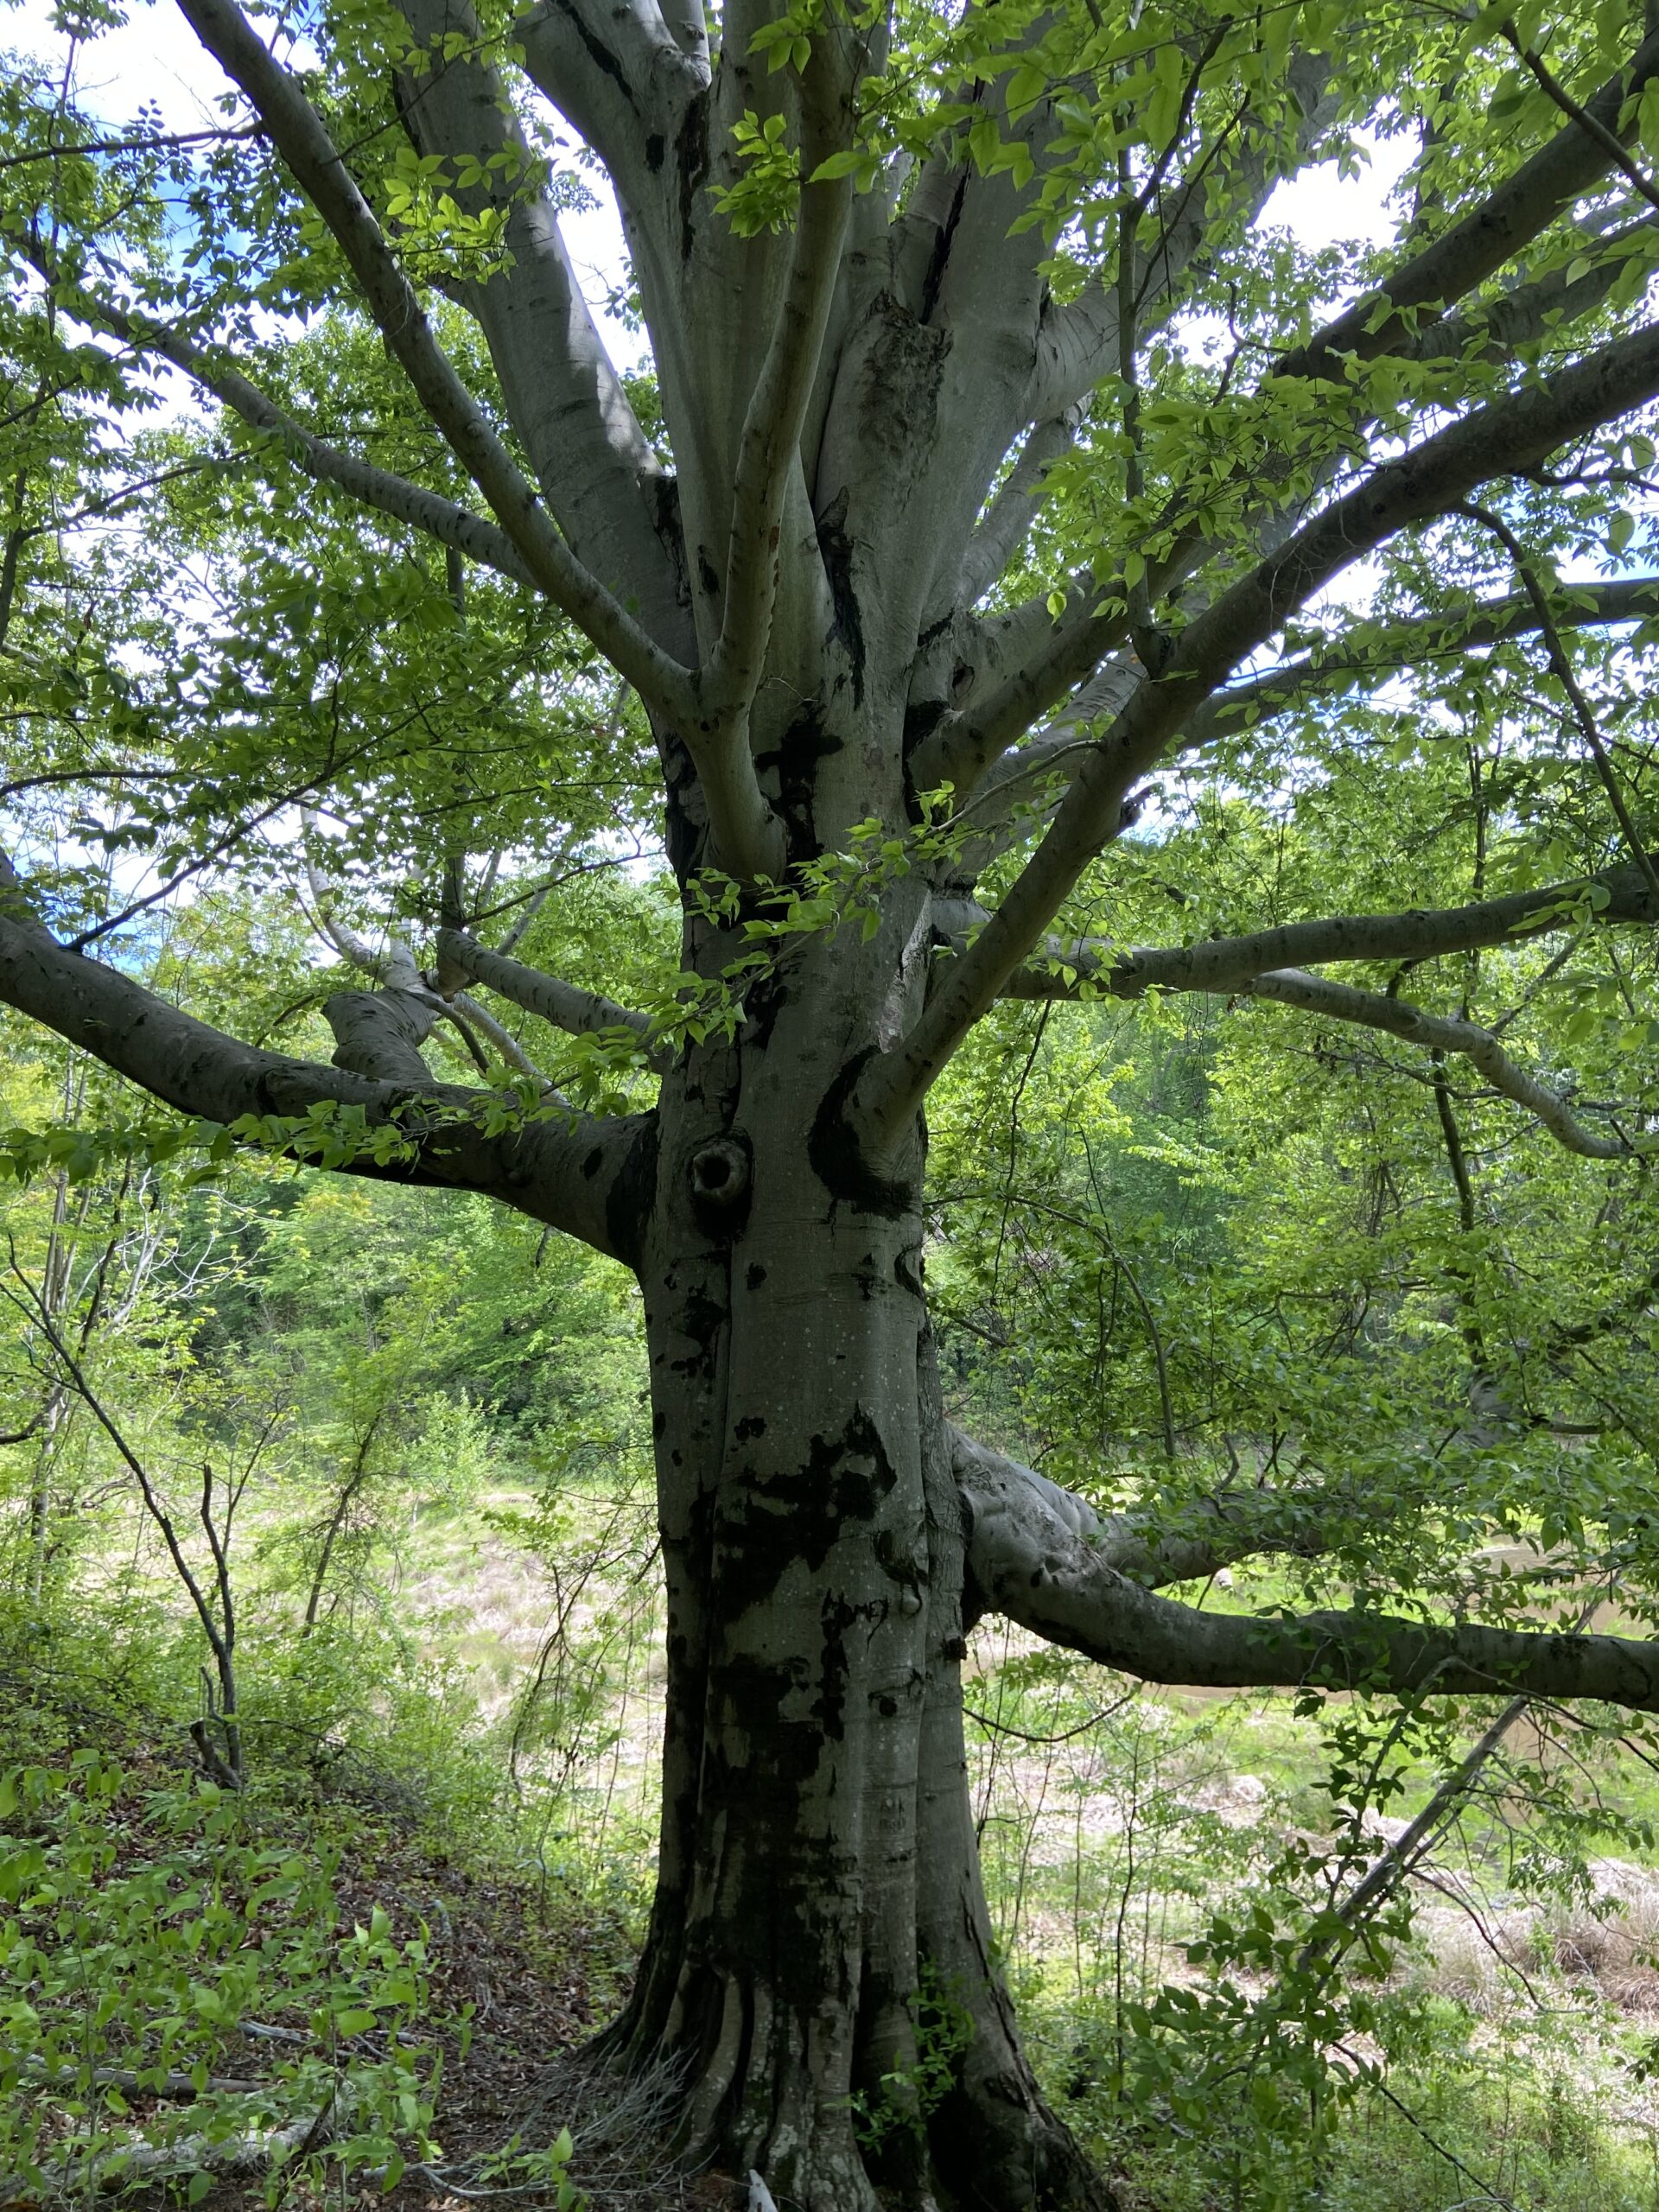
(819, 1960)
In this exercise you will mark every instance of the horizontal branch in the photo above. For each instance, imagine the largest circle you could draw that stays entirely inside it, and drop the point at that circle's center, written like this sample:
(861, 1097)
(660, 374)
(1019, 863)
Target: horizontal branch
(1011, 1505)
(567, 1170)
(299, 134)
(1224, 964)
(1046, 1574)
(1020, 774)
(1426, 638)
(1438, 1033)
(578, 1013)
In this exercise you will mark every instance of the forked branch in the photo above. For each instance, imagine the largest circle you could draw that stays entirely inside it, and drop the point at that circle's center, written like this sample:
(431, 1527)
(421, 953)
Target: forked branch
(559, 1166)
(578, 1013)
(1389, 320)
(1040, 1571)
(1011, 1505)
(299, 134)
(1511, 434)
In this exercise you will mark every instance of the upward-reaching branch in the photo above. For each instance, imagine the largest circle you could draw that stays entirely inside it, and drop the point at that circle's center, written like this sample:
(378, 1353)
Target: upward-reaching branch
(606, 486)
(1398, 317)
(748, 837)
(380, 489)
(1511, 434)
(298, 133)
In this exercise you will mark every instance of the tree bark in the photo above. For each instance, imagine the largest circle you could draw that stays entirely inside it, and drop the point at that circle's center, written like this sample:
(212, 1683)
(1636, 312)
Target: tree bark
(817, 1868)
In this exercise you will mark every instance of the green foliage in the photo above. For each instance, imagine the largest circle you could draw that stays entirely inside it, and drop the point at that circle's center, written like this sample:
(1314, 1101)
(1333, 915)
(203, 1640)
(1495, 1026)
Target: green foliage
(140, 1929)
(908, 2095)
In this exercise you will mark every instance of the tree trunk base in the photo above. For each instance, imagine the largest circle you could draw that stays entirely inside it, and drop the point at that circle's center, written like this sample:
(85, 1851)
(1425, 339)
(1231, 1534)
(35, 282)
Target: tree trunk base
(759, 2101)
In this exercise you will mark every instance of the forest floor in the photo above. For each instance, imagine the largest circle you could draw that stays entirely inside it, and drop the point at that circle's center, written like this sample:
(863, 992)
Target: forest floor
(525, 1939)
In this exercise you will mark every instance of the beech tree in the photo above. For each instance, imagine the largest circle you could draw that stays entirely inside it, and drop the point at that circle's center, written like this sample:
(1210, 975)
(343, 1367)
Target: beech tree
(1005, 475)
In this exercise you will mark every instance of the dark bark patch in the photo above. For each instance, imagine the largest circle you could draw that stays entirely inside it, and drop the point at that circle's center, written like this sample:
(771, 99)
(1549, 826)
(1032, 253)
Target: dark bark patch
(756, 1276)
(798, 1514)
(898, 400)
(941, 254)
(832, 1705)
(632, 1194)
(751, 1426)
(763, 1002)
(838, 1158)
(707, 576)
(692, 154)
(656, 150)
(603, 60)
(922, 716)
(848, 627)
(700, 1319)
(681, 835)
(909, 1268)
(795, 760)
(595, 1161)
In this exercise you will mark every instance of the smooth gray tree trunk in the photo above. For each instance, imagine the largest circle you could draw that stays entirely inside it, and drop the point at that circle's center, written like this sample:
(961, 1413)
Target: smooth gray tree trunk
(818, 1866)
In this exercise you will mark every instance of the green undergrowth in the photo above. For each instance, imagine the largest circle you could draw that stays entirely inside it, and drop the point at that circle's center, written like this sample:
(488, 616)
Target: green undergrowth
(271, 1987)
(1165, 1875)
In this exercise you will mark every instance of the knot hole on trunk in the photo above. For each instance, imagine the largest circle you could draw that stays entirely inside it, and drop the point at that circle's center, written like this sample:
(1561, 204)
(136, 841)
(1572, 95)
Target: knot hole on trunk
(720, 1176)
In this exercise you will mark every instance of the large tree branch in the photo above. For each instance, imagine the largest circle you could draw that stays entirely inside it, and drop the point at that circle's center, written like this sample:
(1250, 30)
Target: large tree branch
(380, 489)
(569, 1170)
(380, 1030)
(747, 835)
(605, 484)
(1224, 964)
(298, 133)
(578, 1013)
(625, 74)
(1438, 1033)
(1255, 966)
(1400, 316)
(1511, 434)
(1009, 806)
(1006, 522)
(1424, 639)
(1009, 1507)
(1391, 317)
(1034, 1566)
